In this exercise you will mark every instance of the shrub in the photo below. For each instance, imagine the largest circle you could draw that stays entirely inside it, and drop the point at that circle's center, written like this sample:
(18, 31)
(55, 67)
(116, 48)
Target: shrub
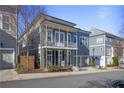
(109, 65)
(92, 62)
(19, 68)
(58, 68)
(115, 61)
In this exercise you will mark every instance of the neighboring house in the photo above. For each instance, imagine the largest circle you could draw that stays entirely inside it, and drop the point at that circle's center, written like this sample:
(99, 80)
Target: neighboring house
(54, 41)
(101, 46)
(7, 37)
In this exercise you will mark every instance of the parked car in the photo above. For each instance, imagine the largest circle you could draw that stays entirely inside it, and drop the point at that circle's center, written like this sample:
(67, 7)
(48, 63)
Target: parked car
(121, 65)
(116, 84)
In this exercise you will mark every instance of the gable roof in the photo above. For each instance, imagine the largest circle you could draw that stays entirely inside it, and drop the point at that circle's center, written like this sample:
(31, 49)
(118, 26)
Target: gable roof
(101, 32)
(49, 18)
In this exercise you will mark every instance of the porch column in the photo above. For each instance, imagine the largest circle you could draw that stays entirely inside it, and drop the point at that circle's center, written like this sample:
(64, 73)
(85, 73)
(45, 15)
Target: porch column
(54, 58)
(76, 49)
(59, 57)
(40, 30)
(46, 46)
(67, 58)
(76, 58)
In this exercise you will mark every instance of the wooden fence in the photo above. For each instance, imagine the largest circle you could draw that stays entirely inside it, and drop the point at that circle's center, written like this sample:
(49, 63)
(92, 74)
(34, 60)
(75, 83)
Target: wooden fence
(27, 62)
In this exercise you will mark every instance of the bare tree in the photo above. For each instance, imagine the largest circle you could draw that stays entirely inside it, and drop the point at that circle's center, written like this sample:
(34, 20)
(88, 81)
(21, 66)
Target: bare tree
(118, 49)
(26, 17)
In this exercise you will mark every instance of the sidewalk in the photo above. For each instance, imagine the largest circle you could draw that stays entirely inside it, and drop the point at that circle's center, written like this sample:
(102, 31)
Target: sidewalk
(53, 74)
(8, 75)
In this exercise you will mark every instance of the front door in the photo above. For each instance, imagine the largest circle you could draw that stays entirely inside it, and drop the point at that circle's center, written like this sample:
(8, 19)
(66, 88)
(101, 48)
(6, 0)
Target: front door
(56, 57)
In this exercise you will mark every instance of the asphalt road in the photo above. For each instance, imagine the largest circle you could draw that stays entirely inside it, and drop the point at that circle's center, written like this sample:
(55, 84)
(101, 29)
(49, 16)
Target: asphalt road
(96, 80)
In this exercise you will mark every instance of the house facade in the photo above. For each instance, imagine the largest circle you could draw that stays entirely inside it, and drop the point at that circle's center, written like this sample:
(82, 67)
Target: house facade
(101, 46)
(7, 37)
(54, 41)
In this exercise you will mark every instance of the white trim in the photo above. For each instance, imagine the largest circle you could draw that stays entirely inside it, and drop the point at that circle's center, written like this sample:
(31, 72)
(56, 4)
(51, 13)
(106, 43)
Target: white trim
(7, 49)
(46, 35)
(14, 59)
(67, 58)
(99, 45)
(52, 47)
(105, 49)
(58, 57)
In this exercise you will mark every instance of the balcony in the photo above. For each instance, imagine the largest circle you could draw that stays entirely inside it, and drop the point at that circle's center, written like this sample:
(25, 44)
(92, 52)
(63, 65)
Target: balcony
(70, 45)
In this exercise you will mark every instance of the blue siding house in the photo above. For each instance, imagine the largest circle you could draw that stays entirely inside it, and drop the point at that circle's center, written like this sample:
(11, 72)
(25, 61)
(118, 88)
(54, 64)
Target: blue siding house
(58, 42)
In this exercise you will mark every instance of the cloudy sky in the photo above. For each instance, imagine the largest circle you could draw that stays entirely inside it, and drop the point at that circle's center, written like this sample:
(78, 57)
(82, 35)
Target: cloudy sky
(108, 18)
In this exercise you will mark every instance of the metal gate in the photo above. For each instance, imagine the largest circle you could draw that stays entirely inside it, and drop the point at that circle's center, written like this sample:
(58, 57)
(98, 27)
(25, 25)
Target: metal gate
(7, 58)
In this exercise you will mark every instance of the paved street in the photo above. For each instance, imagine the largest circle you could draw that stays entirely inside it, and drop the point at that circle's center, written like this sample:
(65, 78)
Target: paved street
(78, 81)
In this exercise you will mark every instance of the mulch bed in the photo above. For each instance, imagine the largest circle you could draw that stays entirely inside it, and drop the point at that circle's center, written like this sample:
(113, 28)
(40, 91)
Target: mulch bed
(40, 71)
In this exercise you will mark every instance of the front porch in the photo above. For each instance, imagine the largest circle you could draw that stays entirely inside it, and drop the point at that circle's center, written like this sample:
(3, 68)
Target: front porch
(59, 57)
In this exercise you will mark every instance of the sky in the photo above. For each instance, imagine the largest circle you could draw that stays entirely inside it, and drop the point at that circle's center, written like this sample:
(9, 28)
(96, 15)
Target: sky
(107, 18)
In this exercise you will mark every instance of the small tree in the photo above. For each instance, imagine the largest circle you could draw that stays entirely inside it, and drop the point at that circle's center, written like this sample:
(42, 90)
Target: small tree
(118, 49)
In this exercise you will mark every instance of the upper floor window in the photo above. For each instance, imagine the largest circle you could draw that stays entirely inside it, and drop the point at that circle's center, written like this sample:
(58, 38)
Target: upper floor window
(69, 37)
(57, 36)
(5, 22)
(74, 38)
(99, 40)
(62, 38)
(83, 41)
(108, 39)
(49, 35)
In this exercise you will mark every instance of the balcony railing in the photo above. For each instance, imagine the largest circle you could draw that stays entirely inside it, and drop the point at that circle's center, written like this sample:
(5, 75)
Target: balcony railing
(61, 44)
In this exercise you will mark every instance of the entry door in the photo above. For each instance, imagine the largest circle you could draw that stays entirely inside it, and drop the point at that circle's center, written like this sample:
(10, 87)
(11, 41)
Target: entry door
(56, 57)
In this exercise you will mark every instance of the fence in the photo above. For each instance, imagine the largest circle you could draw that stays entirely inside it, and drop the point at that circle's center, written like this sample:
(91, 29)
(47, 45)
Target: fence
(27, 62)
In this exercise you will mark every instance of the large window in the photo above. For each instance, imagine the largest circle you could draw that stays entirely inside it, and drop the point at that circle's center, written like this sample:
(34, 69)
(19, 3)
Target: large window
(49, 36)
(108, 39)
(99, 40)
(108, 51)
(75, 39)
(5, 22)
(62, 38)
(69, 38)
(49, 57)
(57, 36)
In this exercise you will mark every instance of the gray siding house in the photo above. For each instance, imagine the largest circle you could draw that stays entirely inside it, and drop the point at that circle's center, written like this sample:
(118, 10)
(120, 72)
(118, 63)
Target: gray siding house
(7, 37)
(54, 41)
(101, 46)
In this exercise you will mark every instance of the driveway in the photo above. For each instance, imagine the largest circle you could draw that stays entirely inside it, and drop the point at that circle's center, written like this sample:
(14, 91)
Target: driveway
(8, 75)
(98, 80)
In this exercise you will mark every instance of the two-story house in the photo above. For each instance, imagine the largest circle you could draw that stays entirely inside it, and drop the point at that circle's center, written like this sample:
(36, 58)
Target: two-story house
(54, 41)
(101, 46)
(7, 37)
